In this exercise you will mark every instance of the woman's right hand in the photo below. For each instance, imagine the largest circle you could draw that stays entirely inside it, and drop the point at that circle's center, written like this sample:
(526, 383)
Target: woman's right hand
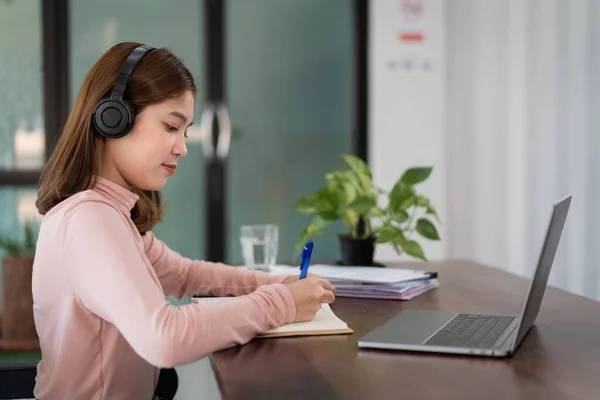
(309, 294)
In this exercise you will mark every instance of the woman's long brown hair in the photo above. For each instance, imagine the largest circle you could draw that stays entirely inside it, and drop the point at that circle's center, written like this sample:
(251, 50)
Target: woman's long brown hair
(77, 157)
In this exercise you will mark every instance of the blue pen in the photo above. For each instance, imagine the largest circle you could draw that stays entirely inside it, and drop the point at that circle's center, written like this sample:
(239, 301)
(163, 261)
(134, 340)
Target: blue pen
(306, 253)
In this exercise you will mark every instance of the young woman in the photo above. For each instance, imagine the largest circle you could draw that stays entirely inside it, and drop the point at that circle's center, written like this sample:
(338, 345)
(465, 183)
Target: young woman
(100, 276)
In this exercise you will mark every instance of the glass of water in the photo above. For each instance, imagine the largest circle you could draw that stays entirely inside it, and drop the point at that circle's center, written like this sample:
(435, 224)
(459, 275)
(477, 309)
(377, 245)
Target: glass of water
(259, 246)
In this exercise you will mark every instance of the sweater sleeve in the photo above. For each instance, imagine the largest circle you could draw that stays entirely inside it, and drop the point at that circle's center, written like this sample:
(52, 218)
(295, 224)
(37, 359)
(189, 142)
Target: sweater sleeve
(181, 276)
(110, 276)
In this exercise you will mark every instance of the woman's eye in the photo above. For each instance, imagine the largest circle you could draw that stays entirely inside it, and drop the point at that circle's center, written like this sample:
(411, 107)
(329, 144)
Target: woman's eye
(171, 128)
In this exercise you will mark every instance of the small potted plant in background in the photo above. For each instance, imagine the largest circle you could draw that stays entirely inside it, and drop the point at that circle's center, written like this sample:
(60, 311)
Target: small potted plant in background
(17, 327)
(351, 197)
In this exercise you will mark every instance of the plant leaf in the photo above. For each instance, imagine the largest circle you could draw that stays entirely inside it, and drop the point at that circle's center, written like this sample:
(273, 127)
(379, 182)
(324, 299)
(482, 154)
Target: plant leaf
(346, 181)
(29, 237)
(414, 249)
(361, 169)
(413, 176)
(312, 230)
(11, 247)
(401, 197)
(422, 201)
(400, 216)
(426, 229)
(350, 218)
(390, 234)
(16, 248)
(357, 165)
(432, 211)
(363, 205)
(307, 204)
(376, 212)
(327, 203)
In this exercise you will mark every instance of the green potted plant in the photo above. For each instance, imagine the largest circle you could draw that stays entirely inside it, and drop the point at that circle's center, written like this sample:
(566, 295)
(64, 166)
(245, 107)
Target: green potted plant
(351, 197)
(17, 327)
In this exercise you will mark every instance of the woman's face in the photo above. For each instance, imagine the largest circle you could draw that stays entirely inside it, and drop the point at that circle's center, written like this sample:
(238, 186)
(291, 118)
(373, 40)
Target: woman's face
(149, 154)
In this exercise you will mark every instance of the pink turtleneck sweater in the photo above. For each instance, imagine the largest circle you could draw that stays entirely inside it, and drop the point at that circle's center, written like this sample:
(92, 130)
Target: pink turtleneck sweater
(99, 290)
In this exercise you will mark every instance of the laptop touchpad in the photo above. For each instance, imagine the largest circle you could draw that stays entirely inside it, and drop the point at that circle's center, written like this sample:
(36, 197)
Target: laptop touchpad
(410, 327)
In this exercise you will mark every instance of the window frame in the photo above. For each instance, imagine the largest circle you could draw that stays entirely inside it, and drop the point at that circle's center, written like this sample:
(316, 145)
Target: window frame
(55, 49)
(55, 62)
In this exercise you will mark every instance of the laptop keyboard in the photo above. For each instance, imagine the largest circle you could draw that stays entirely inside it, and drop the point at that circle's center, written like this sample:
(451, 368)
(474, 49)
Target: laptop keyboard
(471, 330)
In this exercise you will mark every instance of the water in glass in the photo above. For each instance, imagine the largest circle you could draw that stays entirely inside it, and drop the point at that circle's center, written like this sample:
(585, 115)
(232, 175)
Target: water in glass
(259, 246)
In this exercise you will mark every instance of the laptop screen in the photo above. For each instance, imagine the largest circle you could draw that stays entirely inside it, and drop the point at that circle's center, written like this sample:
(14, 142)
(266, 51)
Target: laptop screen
(542, 271)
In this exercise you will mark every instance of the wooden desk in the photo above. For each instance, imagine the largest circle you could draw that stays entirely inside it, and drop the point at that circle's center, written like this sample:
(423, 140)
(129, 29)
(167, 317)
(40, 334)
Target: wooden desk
(559, 359)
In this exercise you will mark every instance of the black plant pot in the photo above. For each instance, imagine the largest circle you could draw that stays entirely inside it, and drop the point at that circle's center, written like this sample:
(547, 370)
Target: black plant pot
(357, 252)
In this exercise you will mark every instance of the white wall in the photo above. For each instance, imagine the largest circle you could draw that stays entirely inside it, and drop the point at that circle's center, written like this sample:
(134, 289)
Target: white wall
(407, 108)
(514, 119)
(524, 131)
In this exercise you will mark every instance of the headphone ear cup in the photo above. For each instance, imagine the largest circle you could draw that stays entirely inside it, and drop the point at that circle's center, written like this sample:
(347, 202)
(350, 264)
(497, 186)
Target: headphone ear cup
(113, 119)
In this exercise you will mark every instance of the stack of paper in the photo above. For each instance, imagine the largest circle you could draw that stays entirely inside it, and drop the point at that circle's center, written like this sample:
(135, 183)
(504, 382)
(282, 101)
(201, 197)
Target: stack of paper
(372, 282)
(390, 291)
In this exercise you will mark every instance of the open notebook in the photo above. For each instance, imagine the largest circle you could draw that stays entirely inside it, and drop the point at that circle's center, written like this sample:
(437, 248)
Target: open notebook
(325, 322)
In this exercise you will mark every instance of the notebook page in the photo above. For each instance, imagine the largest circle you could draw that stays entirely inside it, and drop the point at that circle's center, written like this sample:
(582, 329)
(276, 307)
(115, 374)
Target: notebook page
(324, 320)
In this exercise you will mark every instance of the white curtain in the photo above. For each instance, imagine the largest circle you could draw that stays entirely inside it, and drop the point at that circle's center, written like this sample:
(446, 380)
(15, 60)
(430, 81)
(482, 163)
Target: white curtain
(524, 131)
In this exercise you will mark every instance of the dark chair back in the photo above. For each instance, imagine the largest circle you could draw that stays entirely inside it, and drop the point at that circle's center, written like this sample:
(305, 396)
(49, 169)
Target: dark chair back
(17, 380)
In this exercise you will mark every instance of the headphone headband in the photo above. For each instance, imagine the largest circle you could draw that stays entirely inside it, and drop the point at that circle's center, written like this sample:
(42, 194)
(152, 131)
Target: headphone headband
(114, 116)
(126, 71)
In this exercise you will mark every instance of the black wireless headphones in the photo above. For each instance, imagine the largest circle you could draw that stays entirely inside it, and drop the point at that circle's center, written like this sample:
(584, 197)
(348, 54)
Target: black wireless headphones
(113, 117)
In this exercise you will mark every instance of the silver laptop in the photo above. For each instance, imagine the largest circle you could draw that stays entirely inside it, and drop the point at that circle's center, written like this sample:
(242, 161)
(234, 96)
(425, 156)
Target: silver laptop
(470, 333)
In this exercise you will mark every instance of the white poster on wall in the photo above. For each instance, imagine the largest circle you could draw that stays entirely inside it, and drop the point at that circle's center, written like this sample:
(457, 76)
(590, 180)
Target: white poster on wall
(409, 49)
(407, 103)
